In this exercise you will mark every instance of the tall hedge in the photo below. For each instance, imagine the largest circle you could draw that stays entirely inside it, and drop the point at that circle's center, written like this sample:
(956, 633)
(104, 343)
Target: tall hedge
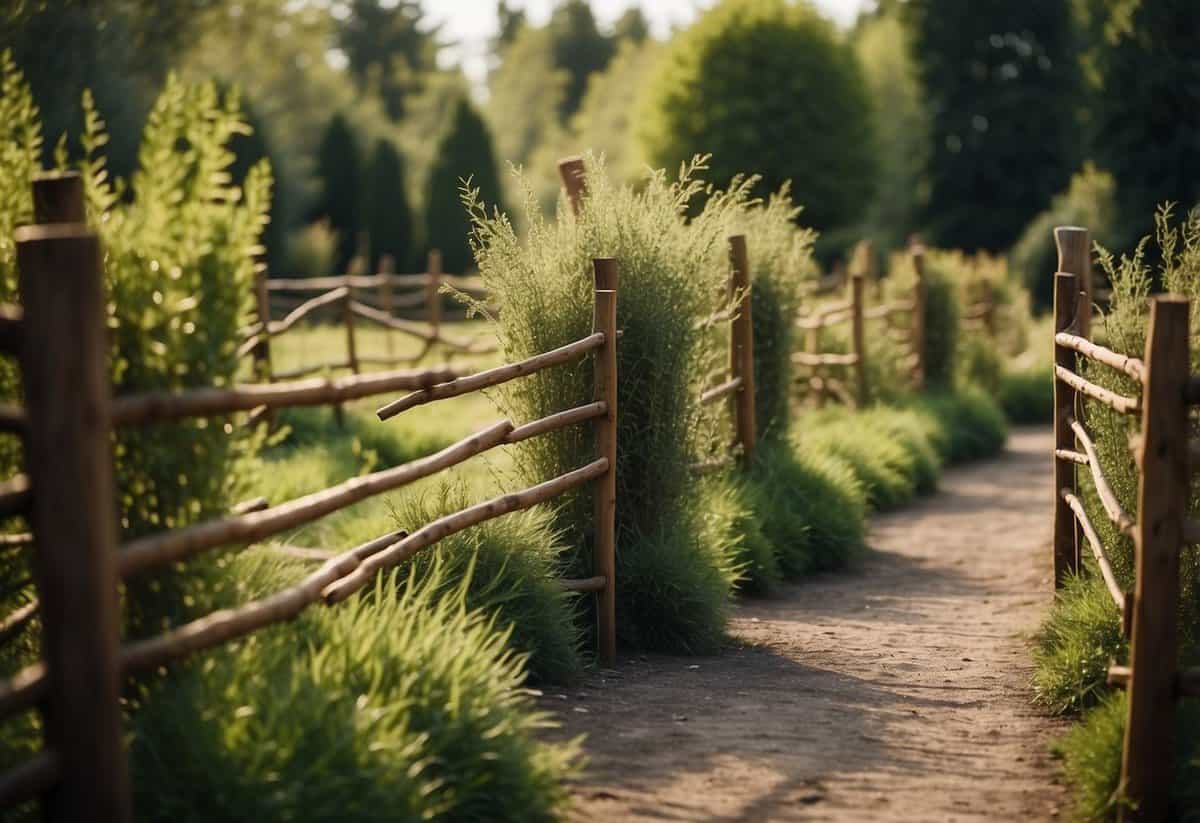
(465, 154)
(387, 216)
(769, 87)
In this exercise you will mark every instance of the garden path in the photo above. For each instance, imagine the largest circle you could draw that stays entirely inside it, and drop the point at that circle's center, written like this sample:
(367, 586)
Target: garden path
(896, 692)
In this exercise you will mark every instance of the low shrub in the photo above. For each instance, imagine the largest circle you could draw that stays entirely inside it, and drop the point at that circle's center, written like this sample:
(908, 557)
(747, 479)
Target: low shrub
(513, 564)
(884, 466)
(817, 512)
(972, 423)
(402, 703)
(673, 581)
(1074, 645)
(734, 507)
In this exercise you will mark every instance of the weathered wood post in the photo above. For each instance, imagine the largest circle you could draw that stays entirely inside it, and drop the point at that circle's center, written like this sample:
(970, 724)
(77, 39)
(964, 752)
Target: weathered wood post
(604, 556)
(1147, 762)
(1074, 257)
(433, 292)
(918, 315)
(356, 268)
(387, 267)
(858, 337)
(1066, 541)
(741, 349)
(988, 298)
(64, 368)
(571, 171)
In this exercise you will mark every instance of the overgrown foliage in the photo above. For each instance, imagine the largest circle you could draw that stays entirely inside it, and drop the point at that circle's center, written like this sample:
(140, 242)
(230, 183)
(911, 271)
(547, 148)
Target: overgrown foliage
(402, 700)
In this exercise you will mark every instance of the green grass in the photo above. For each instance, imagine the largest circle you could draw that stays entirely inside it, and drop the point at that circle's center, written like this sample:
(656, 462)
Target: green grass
(735, 510)
(1074, 645)
(401, 703)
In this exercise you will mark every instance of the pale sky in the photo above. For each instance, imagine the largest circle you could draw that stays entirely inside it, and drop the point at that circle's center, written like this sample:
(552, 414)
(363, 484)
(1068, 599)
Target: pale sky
(472, 22)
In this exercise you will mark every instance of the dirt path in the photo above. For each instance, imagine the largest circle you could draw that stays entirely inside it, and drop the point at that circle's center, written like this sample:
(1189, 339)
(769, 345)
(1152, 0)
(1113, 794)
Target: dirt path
(899, 692)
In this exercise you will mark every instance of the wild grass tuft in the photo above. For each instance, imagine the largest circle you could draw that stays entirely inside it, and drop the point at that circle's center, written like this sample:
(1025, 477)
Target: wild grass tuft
(1027, 395)
(886, 469)
(736, 510)
(402, 702)
(972, 423)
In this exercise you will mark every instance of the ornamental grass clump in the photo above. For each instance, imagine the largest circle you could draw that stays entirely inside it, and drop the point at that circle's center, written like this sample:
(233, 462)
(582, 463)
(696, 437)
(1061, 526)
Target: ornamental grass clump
(402, 704)
(516, 562)
(674, 582)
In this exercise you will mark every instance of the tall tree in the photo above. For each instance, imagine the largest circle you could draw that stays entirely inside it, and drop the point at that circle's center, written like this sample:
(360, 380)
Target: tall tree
(338, 169)
(389, 47)
(1145, 82)
(580, 48)
(465, 153)
(1002, 84)
(387, 218)
(631, 25)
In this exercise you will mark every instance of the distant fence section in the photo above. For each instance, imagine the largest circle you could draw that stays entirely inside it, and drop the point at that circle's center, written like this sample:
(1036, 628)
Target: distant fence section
(69, 499)
(1159, 528)
(387, 300)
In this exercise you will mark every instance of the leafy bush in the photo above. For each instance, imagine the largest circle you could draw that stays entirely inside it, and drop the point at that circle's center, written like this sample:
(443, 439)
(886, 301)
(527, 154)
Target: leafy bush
(402, 703)
(746, 63)
(513, 564)
(1088, 202)
(464, 154)
(673, 582)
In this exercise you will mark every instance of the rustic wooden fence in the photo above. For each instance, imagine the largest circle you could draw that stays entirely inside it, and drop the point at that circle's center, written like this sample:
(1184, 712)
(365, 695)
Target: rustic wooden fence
(1159, 528)
(68, 498)
(352, 299)
(855, 311)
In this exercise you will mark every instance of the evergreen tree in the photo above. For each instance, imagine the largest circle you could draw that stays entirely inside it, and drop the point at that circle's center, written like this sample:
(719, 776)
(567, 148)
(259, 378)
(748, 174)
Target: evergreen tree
(387, 218)
(389, 49)
(1145, 79)
(465, 152)
(580, 49)
(338, 168)
(1002, 83)
(631, 26)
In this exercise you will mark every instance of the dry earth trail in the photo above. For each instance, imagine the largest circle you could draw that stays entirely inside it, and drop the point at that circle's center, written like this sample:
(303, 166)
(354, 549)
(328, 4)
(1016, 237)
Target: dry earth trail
(896, 692)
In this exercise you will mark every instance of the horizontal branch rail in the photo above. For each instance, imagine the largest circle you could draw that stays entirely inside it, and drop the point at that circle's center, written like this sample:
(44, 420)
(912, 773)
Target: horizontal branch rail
(887, 310)
(302, 371)
(1187, 682)
(493, 377)
(231, 624)
(556, 421)
(32, 778)
(1107, 497)
(828, 317)
(804, 358)
(1093, 539)
(1116, 402)
(141, 409)
(1078, 458)
(157, 550)
(724, 390)
(454, 523)
(586, 584)
(1131, 366)
(371, 281)
(18, 619)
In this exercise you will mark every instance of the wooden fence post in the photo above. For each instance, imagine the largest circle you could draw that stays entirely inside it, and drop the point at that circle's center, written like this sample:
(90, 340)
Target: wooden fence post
(918, 316)
(68, 453)
(357, 267)
(1074, 257)
(604, 557)
(58, 198)
(1066, 539)
(433, 291)
(1147, 762)
(741, 349)
(858, 337)
(571, 171)
(262, 301)
(387, 267)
